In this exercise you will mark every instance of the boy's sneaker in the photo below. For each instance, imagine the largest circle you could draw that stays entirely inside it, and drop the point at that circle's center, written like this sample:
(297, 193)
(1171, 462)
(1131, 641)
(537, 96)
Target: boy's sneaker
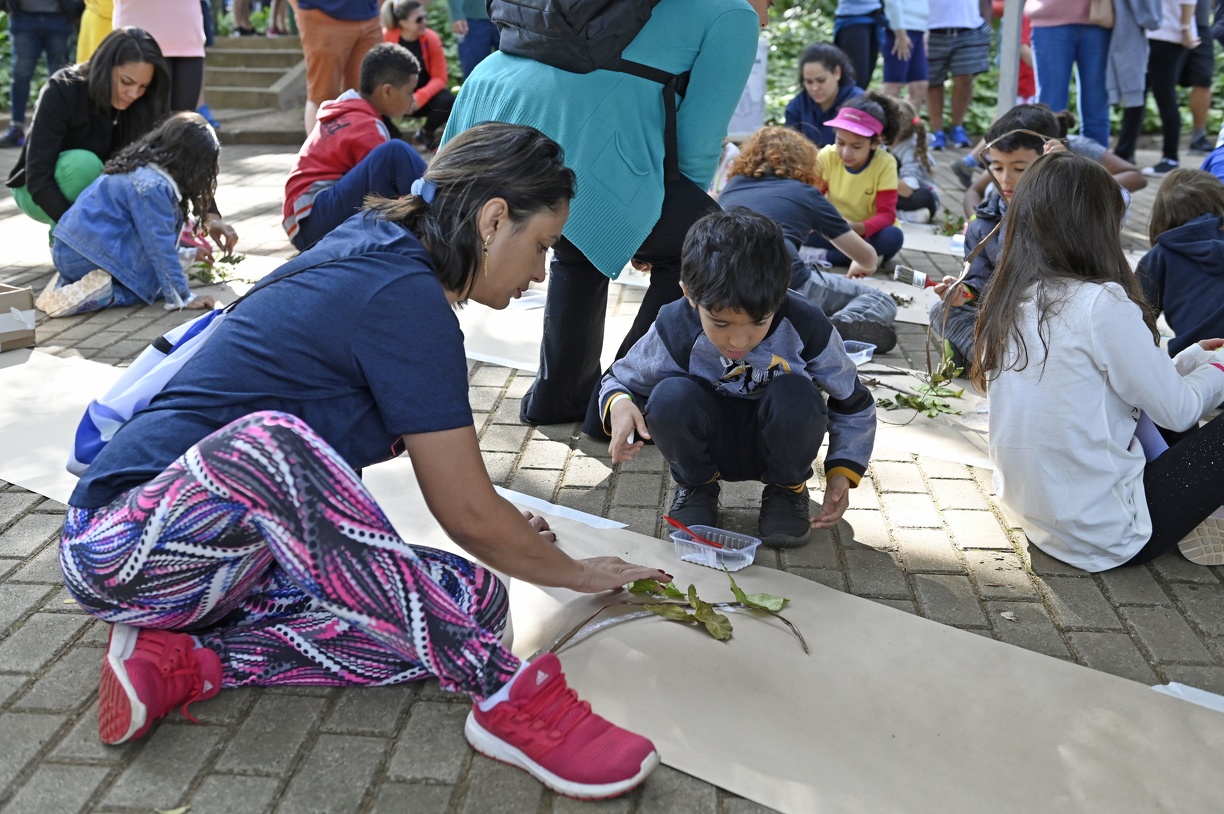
(14, 136)
(960, 138)
(964, 171)
(922, 215)
(939, 140)
(1201, 144)
(884, 337)
(145, 674)
(1204, 545)
(545, 730)
(813, 257)
(1166, 166)
(696, 505)
(785, 520)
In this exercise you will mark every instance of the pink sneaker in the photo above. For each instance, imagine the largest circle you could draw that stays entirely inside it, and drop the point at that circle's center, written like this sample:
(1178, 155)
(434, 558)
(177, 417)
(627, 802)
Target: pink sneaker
(545, 730)
(146, 674)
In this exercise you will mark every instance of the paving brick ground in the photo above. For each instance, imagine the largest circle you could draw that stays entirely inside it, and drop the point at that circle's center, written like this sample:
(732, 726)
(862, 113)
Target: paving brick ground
(923, 536)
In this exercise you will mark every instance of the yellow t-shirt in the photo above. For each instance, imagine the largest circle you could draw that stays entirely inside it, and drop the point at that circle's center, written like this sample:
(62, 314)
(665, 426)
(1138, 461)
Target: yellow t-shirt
(854, 193)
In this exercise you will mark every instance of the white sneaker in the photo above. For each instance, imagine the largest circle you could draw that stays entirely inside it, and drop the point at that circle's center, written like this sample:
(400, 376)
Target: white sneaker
(812, 256)
(916, 216)
(1205, 544)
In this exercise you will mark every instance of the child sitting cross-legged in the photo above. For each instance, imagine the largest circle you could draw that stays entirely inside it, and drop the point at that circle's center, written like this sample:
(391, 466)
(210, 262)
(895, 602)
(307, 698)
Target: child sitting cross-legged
(353, 150)
(731, 381)
(127, 222)
(1183, 274)
(860, 177)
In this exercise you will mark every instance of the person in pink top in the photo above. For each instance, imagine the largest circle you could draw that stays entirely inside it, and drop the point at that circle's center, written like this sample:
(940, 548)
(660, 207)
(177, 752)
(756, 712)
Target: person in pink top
(178, 27)
(1063, 37)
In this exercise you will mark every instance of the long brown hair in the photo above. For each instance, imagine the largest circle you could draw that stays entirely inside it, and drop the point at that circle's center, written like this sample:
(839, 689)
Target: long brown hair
(186, 147)
(1064, 223)
(776, 151)
(910, 125)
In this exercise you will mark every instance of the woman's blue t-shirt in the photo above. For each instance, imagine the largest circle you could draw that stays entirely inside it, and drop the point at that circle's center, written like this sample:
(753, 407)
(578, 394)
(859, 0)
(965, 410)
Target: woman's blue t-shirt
(363, 346)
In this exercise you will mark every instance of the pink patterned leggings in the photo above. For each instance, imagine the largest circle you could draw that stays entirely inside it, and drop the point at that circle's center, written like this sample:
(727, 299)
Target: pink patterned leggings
(265, 544)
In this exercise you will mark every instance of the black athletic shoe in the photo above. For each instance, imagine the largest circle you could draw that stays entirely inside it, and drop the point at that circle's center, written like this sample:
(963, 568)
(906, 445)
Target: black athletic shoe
(962, 173)
(1202, 144)
(785, 520)
(696, 505)
(884, 337)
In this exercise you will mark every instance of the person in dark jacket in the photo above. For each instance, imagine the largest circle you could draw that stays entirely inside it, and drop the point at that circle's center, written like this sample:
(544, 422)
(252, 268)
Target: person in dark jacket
(1183, 274)
(87, 114)
(828, 82)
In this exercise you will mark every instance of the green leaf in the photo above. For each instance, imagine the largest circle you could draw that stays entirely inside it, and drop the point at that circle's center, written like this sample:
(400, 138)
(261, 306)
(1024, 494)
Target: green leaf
(676, 613)
(670, 590)
(718, 625)
(762, 601)
(645, 586)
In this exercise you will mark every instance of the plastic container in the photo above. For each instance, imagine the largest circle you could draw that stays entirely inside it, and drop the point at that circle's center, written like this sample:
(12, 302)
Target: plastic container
(737, 552)
(859, 352)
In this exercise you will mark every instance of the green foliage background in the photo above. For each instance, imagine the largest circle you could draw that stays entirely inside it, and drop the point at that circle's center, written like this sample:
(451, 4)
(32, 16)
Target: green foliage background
(793, 25)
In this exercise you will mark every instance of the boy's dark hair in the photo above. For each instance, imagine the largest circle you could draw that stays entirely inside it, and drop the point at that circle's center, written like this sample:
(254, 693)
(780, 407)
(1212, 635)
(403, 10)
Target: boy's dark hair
(1038, 118)
(831, 57)
(387, 63)
(736, 259)
(491, 160)
(1184, 195)
(124, 46)
(186, 147)
(881, 107)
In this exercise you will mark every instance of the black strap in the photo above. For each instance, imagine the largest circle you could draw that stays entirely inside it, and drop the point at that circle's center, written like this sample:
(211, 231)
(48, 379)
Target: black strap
(674, 85)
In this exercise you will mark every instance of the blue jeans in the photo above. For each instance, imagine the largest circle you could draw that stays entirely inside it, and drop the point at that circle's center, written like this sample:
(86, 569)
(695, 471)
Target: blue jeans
(774, 438)
(388, 170)
(34, 34)
(848, 300)
(1087, 46)
(482, 39)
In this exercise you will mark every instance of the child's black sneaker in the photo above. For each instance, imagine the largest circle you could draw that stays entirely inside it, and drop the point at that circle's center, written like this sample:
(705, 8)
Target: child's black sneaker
(14, 136)
(786, 514)
(696, 505)
(1201, 144)
(1166, 166)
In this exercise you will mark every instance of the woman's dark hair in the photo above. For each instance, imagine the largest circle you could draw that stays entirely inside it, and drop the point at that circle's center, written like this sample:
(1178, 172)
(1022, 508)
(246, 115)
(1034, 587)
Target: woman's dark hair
(393, 12)
(1038, 118)
(1064, 223)
(491, 160)
(736, 259)
(831, 57)
(186, 147)
(121, 47)
(1184, 195)
(881, 107)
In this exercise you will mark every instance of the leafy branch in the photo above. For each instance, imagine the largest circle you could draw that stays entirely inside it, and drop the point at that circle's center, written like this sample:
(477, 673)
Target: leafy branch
(930, 398)
(222, 270)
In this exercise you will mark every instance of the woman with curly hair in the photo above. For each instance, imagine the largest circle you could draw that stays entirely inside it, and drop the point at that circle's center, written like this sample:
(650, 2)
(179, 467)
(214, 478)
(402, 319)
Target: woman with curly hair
(127, 223)
(774, 176)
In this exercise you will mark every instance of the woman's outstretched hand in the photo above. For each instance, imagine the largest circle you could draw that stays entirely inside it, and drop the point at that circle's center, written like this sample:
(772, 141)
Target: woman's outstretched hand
(610, 573)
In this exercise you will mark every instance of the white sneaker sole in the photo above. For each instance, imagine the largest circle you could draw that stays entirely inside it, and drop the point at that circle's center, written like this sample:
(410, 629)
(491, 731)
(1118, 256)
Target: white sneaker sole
(492, 746)
(1205, 544)
(122, 644)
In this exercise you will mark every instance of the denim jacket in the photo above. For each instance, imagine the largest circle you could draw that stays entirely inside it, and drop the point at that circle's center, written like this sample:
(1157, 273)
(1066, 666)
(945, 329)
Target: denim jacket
(127, 225)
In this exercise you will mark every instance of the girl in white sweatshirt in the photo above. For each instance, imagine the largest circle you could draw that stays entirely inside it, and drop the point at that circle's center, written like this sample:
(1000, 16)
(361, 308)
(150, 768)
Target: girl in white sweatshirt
(1069, 350)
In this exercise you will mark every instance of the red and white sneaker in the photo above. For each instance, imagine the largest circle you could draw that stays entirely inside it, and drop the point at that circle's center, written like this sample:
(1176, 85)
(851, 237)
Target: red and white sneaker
(147, 673)
(545, 730)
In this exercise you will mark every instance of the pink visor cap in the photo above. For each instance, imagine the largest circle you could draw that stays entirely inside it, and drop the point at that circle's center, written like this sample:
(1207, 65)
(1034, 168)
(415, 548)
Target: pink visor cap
(856, 121)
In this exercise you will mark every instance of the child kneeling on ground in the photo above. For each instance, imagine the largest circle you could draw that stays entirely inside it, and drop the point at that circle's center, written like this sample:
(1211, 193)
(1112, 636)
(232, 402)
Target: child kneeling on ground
(127, 223)
(353, 150)
(731, 383)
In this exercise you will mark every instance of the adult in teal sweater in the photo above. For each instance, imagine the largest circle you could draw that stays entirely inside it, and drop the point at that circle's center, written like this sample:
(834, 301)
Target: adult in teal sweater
(478, 37)
(611, 125)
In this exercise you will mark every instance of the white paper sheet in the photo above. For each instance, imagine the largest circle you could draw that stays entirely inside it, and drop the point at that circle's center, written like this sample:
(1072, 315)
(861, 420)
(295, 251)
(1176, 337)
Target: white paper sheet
(890, 713)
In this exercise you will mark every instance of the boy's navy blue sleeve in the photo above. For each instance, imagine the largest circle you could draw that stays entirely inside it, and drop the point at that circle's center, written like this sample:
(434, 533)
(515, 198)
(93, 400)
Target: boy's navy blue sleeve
(852, 411)
(982, 266)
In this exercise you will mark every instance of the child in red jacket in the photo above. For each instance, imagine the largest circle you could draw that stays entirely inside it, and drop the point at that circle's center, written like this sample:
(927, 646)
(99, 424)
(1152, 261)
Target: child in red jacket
(353, 150)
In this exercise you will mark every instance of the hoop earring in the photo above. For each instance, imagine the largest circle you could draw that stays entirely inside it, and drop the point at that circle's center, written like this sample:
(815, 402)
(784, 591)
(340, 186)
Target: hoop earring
(485, 251)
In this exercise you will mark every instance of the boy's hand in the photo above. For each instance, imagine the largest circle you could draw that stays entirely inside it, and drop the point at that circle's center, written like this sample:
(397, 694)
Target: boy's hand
(1211, 344)
(836, 501)
(956, 298)
(857, 270)
(626, 418)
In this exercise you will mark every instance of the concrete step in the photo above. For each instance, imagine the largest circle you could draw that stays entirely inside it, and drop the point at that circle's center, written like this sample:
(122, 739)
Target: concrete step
(266, 126)
(257, 42)
(253, 58)
(233, 77)
(248, 98)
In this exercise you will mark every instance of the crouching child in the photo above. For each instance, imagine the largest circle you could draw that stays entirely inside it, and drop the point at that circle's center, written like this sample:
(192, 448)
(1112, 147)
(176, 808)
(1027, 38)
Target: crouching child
(731, 383)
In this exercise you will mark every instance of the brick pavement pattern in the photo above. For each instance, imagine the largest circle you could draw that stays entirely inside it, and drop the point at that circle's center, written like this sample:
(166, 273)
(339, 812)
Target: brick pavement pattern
(923, 535)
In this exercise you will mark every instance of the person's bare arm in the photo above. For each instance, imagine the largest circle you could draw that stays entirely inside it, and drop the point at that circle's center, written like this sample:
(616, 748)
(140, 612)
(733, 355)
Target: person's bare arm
(1125, 173)
(976, 193)
(459, 494)
(858, 250)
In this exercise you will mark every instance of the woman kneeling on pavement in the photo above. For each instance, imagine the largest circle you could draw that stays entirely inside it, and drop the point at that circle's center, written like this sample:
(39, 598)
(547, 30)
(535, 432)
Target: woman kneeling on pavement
(226, 534)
